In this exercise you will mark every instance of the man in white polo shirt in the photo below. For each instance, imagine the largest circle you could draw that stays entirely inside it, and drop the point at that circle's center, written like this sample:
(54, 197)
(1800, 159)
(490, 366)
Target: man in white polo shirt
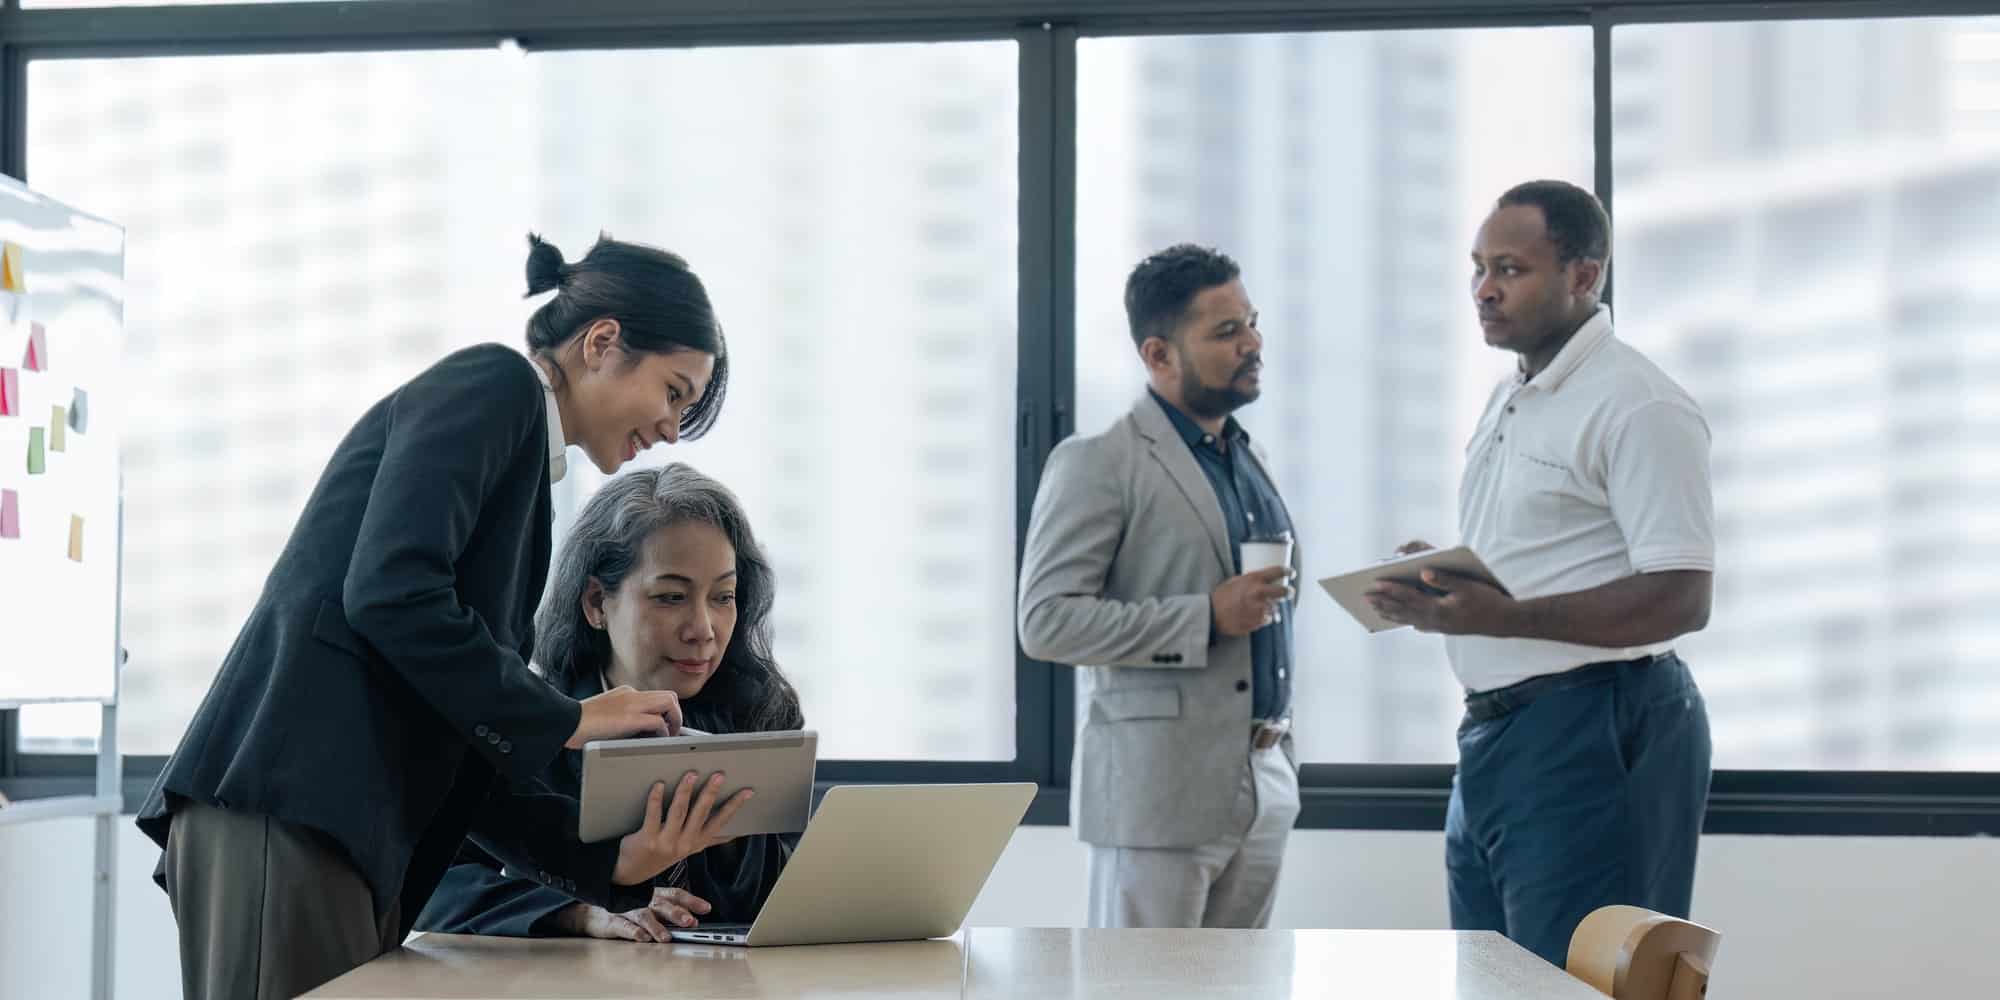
(1584, 753)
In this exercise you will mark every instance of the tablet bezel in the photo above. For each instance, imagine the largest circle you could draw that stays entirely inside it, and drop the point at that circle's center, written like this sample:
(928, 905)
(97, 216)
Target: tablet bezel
(1346, 589)
(618, 775)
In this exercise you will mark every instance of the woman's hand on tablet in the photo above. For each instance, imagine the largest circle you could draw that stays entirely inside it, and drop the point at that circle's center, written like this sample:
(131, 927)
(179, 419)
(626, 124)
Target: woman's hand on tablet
(627, 711)
(692, 824)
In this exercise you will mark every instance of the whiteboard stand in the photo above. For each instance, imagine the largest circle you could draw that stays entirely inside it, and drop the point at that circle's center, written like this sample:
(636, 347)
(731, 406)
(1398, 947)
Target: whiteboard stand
(106, 804)
(64, 614)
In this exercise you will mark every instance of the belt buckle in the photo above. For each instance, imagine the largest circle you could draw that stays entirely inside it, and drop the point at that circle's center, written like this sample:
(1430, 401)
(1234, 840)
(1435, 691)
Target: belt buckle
(1265, 735)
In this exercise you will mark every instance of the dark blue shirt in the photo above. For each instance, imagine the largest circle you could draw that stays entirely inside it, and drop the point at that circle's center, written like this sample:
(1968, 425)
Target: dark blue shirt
(1250, 507)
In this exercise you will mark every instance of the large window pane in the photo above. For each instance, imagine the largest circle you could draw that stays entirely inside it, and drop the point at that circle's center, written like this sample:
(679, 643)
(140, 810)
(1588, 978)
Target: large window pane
(303, 233)
(1346, 173)
(308, 231)
(1809, 221)
(853, 210)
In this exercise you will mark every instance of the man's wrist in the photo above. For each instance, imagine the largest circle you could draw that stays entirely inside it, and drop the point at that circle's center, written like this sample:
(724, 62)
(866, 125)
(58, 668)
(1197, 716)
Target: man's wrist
(1516, 620)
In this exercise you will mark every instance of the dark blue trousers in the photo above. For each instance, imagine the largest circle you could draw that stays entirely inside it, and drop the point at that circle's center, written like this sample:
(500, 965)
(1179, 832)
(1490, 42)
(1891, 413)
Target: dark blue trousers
(1576, 791)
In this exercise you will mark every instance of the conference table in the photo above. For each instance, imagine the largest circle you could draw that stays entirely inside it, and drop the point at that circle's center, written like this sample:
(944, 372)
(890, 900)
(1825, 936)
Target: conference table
(976, 962)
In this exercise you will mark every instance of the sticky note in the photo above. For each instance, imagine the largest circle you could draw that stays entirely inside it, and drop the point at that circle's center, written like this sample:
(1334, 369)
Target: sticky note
(10, 514)
(36, 358)
(10, 392)
(11, 278)
(75, 538)
(58, 423)
(79, 412)
(37, 462)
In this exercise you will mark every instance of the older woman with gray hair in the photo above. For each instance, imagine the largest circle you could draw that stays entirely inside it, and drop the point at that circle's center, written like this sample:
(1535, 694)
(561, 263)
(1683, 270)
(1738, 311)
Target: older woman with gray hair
(660, 585)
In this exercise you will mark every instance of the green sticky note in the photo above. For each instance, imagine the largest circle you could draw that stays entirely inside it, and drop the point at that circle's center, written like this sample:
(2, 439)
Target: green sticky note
(37, 462)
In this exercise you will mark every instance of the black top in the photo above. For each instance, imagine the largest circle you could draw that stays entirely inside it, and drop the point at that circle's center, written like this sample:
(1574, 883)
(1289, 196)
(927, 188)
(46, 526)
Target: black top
(379, 690)
(1251, 508)
(477, 897)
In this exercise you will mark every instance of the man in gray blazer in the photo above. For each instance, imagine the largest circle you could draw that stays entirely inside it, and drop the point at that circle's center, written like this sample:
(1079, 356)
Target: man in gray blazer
(1183, 783)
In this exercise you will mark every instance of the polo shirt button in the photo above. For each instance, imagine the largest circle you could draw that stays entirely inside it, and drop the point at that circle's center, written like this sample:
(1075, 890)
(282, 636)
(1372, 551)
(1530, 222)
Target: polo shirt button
(506, 747)
(479, 730)
(1242, 685)
(493, 738)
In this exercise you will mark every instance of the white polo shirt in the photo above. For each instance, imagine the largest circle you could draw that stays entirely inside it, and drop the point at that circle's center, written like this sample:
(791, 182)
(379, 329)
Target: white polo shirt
(1594, 470)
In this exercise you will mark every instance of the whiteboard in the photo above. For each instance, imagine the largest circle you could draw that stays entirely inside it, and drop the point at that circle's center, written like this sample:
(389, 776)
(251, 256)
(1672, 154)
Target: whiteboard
(62, 300)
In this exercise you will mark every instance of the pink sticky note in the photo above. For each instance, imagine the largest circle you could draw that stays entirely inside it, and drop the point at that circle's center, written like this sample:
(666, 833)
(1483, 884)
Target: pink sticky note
(10, 392)
(37, 357)
(10, 514)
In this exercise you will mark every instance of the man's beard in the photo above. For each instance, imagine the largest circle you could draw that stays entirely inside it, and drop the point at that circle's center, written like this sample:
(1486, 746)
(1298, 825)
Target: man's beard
(1213, 402)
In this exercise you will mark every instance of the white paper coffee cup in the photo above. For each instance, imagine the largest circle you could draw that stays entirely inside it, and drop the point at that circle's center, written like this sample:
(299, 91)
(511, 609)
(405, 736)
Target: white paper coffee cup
(1264, 554)
(1267, 554)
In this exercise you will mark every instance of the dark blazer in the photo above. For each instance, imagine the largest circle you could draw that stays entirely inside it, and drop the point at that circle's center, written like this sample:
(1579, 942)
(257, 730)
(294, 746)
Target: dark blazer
(477, 897)
(379, 691)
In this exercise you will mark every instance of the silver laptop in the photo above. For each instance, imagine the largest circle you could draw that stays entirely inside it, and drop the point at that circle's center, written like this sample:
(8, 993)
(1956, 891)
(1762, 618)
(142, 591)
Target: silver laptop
(884, 863)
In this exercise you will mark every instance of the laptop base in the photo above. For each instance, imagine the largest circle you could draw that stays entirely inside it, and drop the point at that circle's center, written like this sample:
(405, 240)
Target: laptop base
(738, 934)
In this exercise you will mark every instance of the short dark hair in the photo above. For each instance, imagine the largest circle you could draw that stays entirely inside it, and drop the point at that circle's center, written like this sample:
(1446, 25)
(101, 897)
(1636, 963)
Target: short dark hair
(1159, 290)
(660, 304)
(1576, 221)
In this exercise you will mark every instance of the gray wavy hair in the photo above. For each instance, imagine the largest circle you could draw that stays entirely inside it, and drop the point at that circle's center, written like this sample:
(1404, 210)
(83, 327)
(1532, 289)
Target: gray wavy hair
(748, 693)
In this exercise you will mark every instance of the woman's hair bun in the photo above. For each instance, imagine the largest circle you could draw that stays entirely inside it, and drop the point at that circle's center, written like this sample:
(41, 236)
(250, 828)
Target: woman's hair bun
(545, 266)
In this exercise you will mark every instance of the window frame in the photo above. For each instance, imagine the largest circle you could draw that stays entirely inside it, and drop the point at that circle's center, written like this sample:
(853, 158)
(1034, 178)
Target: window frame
(1335, 796)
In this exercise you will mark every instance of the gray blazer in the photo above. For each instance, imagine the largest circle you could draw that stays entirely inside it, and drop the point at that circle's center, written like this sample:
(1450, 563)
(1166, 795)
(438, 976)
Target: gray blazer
(1126, 543)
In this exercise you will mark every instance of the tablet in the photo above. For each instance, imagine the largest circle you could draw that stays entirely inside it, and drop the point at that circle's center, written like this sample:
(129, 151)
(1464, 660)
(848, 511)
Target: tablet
(619, 774)
(1347, 589)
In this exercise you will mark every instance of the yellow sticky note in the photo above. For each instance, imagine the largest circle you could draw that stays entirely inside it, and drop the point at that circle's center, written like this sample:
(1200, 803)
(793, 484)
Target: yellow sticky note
(57, 423)
(11, 278)
(76, 538)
